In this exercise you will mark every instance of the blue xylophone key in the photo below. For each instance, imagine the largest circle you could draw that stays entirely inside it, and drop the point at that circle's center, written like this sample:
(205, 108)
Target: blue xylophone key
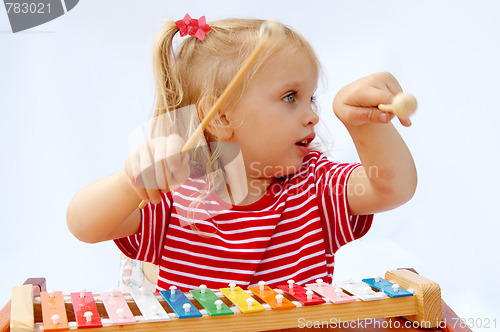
(177, 302)
(387, 287)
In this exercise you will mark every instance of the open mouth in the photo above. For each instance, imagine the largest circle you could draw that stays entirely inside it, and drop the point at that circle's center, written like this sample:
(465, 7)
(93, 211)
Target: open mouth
(306, 140)
(303, 143)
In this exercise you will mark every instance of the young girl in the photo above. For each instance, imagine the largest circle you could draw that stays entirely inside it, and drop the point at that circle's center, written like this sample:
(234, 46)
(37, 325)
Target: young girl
(286, 209)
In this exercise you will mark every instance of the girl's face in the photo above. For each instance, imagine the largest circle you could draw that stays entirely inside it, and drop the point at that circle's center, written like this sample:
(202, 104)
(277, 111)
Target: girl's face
(273, 123)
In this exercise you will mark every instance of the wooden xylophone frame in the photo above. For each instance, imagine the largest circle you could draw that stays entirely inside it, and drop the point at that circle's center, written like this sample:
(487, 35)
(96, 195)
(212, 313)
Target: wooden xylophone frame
(423, 308)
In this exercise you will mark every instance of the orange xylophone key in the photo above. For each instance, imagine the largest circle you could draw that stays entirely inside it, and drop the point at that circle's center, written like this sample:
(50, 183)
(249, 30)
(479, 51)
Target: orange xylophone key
(268, 295)
(53, 311)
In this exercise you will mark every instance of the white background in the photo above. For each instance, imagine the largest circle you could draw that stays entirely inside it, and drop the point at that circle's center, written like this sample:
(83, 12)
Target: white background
(73, 89)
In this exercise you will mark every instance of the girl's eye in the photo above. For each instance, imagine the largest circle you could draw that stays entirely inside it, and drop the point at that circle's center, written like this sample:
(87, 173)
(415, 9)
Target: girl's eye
(289, 98)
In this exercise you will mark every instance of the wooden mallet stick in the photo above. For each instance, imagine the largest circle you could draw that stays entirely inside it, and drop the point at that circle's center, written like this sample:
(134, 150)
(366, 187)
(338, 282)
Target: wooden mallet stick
(269, 32)
(403, 105)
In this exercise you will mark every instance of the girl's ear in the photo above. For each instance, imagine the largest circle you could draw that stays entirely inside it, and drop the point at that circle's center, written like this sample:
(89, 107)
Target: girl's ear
(220, 127)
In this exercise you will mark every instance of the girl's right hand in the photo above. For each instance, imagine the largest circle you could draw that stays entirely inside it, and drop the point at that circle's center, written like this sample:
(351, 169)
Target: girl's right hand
(357, 103)
(157, 166)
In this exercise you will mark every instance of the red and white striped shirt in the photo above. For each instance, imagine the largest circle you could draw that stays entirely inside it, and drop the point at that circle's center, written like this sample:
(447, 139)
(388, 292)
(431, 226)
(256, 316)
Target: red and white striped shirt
(292, 232)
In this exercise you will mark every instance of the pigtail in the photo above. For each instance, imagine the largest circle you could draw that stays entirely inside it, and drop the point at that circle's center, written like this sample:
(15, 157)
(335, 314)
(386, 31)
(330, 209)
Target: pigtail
(168, 87)
(171, 96)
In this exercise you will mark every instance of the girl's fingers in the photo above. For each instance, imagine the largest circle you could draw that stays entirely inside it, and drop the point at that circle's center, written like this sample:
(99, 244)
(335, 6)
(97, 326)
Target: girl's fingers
(360, 115)
(393, 85)
(377, 116)
(146, 166)
(389, 82)
(183, 173)
(380, 116)
(160, 165)
(174, 146)
(177, 165)
(157, 166)
(405, 121)
(143, 194)
(357, 103)
(177, 170)
(372, 97)
(133, 170)
(148, 176)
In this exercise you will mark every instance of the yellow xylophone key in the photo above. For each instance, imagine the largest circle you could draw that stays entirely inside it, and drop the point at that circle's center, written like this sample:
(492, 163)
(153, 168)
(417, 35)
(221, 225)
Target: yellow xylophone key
(239, 297)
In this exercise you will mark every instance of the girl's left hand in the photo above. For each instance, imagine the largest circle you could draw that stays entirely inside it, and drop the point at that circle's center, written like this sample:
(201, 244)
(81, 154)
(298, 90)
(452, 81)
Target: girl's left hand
(357, 103)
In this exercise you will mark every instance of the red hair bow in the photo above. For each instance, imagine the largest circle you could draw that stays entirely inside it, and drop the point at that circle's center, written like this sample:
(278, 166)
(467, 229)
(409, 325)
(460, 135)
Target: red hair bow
(193, 27)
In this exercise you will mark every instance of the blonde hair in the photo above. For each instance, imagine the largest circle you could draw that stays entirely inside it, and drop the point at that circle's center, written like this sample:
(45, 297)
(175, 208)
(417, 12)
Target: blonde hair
(197, 72)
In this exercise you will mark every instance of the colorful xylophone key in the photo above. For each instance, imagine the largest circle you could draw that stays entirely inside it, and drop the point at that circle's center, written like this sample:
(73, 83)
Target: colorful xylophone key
(117, 308)
(335, 295)
(393, 290)
(53, 311)
(212, 304)
(304, 296)
(275, 300)
(239, 297)
(22, 312)
(180, 303)
(150, 307)
(360, 290)
(85, 309)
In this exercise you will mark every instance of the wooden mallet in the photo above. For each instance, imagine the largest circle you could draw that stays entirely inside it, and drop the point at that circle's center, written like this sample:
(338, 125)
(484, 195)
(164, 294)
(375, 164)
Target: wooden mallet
(403, 105)
(270, 31)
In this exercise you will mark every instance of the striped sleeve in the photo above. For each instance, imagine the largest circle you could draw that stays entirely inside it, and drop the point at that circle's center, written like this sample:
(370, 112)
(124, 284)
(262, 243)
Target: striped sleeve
(339, 226)
(147, 244)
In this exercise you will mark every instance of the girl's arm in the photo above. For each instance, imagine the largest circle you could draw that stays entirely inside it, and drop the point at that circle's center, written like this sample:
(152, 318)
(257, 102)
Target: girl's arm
(105, 210)
(387, 177)
(108, 208)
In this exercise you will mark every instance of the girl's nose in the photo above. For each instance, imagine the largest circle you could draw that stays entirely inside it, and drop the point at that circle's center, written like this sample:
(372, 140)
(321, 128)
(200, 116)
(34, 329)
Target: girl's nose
(311, 118)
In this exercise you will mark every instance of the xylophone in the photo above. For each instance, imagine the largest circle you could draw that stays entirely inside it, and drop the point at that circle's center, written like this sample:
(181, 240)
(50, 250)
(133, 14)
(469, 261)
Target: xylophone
(399, 293)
